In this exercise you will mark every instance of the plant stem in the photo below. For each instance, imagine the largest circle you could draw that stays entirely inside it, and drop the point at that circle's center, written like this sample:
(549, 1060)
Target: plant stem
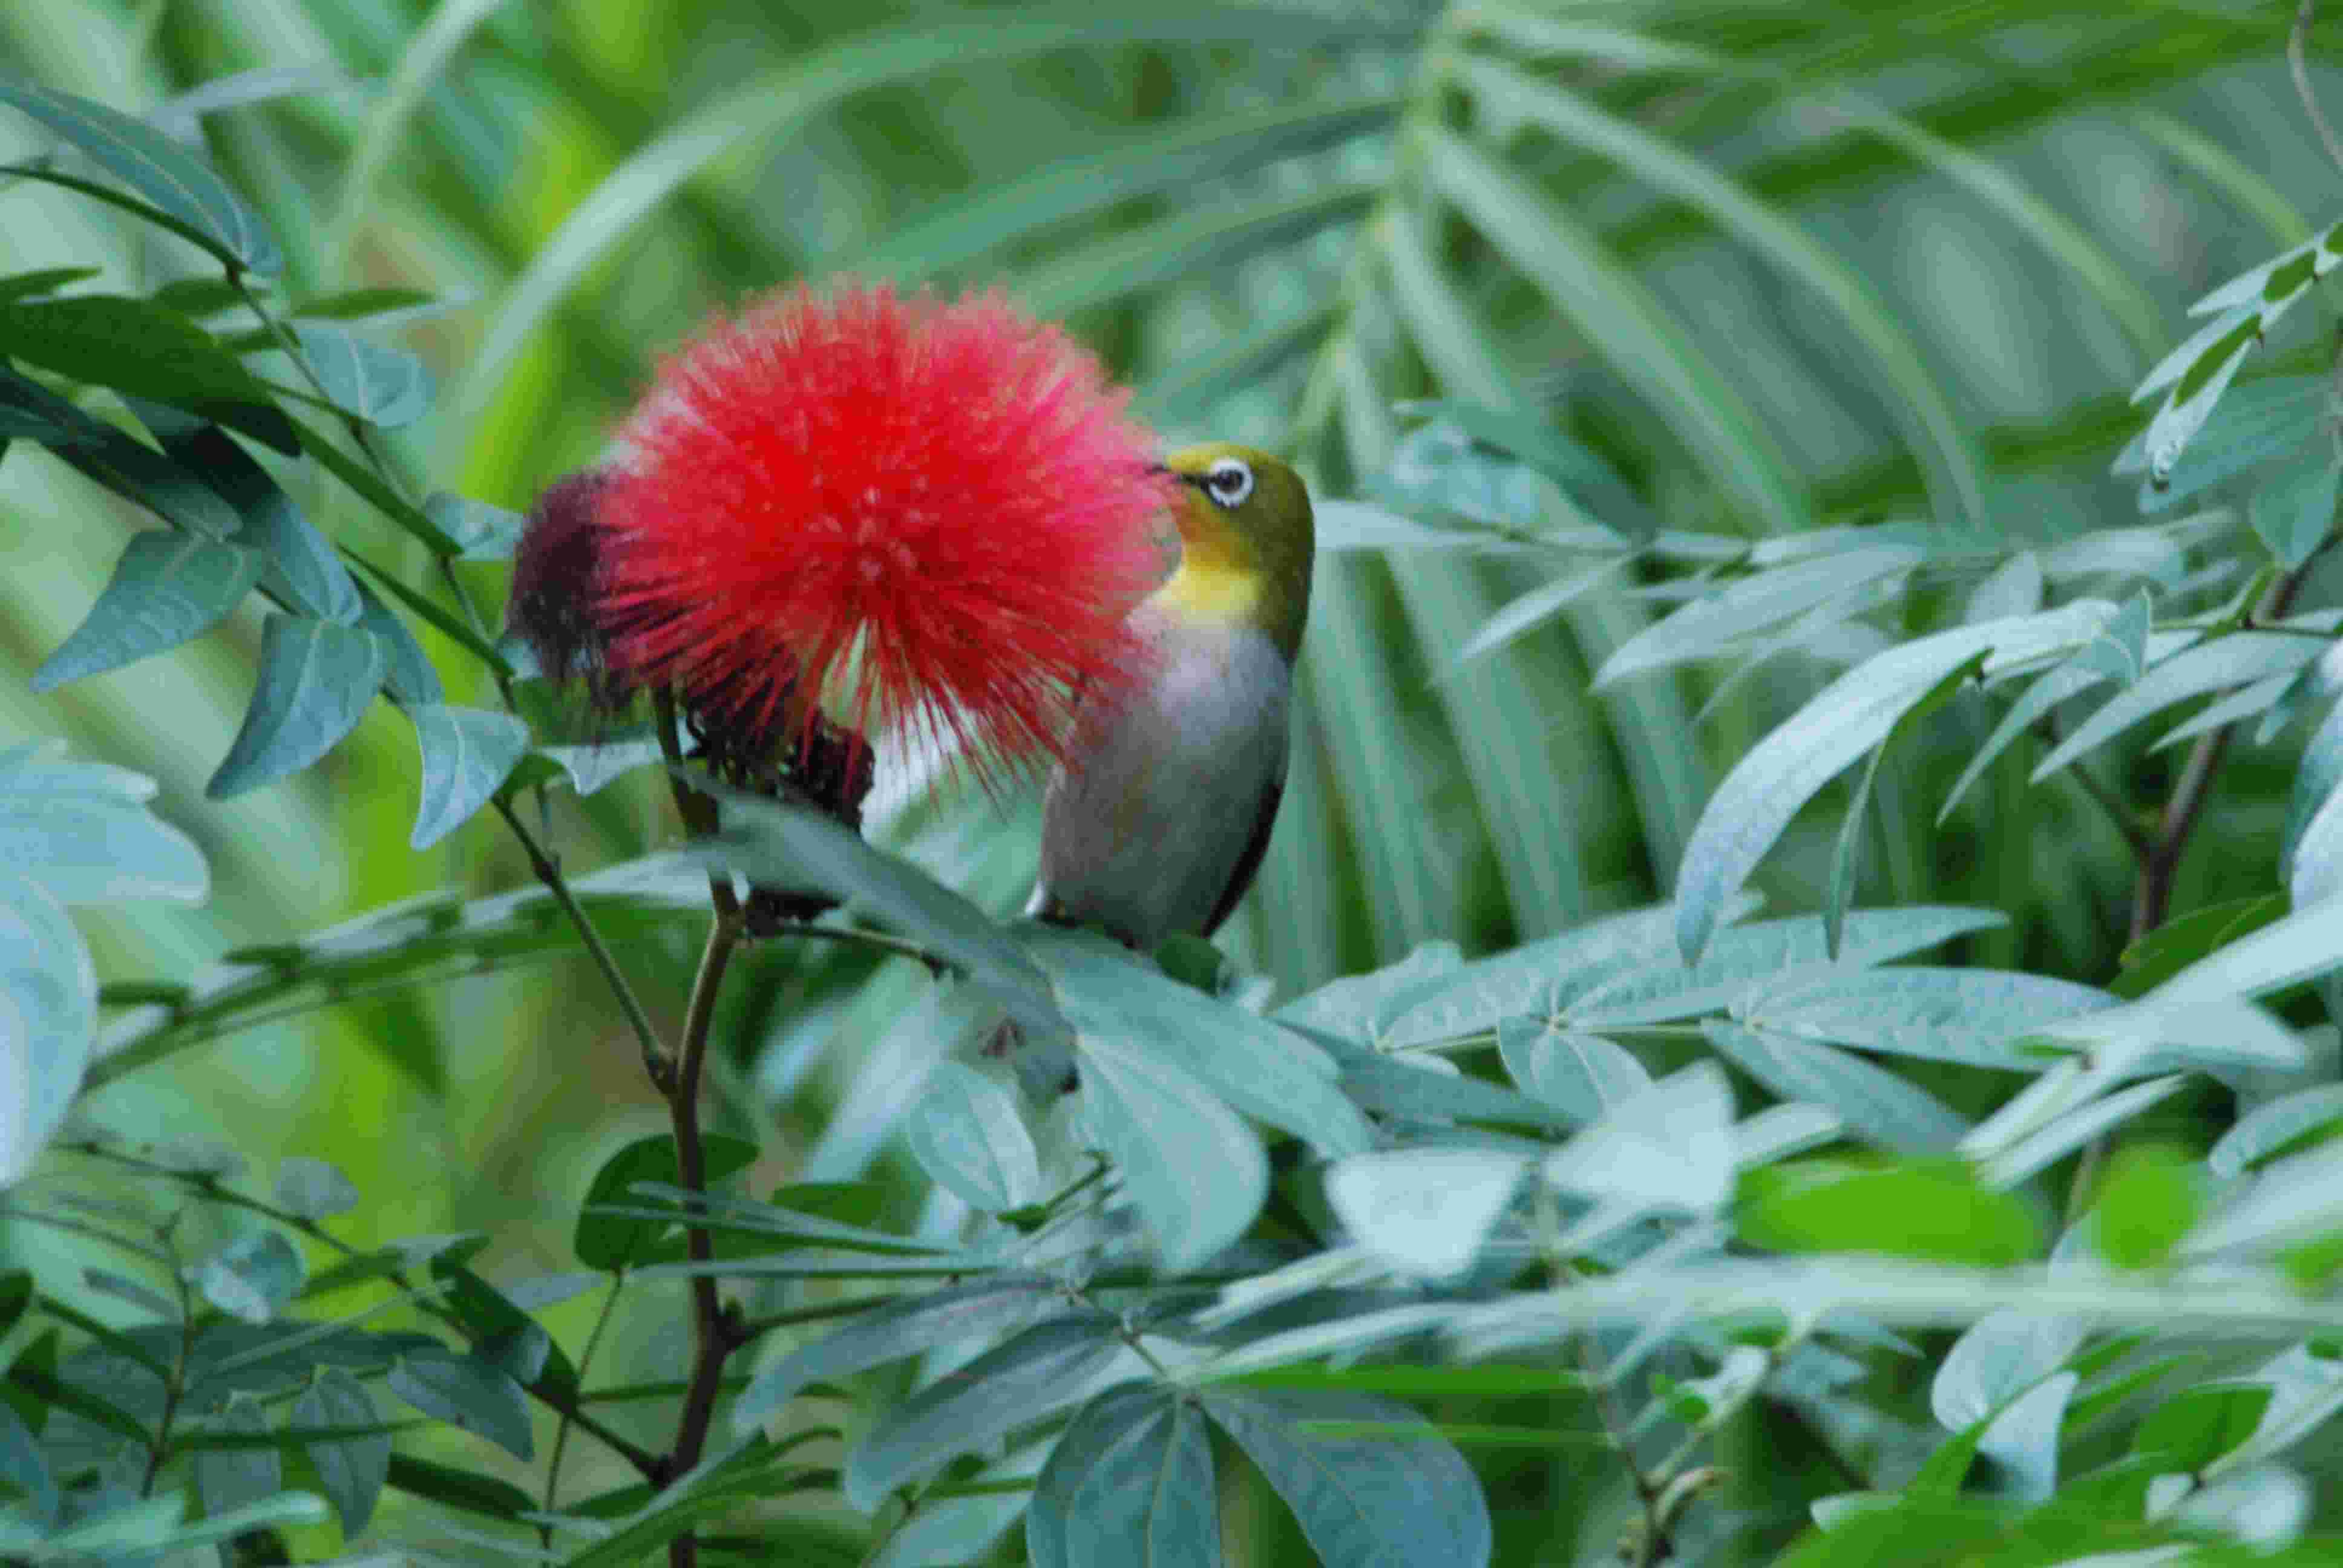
(568, 1419)
(2152, 894)
(2296, 46)
(655, 1058)
(714, 1336)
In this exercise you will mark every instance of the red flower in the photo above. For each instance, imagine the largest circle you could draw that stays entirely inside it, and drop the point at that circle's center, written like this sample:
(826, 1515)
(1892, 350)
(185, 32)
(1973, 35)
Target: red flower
(920, 513)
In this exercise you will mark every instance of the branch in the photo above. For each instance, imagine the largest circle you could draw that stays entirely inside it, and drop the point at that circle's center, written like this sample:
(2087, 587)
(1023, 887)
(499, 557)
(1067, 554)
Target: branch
(714, 1336)
(655, 1058)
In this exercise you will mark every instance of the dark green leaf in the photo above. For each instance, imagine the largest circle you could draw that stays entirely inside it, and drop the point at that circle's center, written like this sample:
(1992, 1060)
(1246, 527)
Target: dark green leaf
(1131, 1481)
(155, 166)
(141, 349)
(1362, 1500)
(45, 280)
(165, 590)
(126, 467)
(317, 681)
(906, 1326)
(1039, 1372)
(2199, 1425)
(465, 1489)
(352, 1470)
(503, 1336)
(468, 1392)
(467, 756)
(605, 1242)
(236, 1478)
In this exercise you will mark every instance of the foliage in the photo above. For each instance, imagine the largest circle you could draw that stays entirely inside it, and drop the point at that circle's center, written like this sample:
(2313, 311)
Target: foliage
(1583, 1146)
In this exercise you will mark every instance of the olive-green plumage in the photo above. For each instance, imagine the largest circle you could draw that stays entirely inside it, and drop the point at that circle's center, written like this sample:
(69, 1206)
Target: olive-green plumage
(1160, 815)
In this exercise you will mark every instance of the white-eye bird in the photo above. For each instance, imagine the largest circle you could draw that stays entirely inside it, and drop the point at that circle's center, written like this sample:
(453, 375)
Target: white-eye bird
(1159, 818)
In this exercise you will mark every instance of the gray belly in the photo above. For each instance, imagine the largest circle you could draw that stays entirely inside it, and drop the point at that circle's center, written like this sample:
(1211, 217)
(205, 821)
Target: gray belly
(1144, 835)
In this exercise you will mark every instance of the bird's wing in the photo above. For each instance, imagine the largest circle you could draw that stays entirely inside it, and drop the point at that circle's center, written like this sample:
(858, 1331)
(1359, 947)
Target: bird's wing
(1249, 863)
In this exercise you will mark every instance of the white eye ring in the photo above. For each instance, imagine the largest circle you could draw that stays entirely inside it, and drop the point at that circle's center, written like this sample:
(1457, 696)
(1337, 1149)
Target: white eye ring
(1229, 482)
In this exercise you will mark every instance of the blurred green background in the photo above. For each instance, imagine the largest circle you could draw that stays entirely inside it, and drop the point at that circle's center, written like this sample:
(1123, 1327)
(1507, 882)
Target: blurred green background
(1266, 246)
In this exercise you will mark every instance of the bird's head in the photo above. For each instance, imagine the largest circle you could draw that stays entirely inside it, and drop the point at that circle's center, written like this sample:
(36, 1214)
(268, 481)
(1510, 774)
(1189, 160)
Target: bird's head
(1246, 540)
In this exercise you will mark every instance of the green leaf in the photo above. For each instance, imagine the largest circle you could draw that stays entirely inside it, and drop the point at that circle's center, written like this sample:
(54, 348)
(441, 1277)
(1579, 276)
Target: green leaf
(2233, 660)
(313, 1189)
(1717, 623)
(385, 387)
(481, 531)
(777, 845)
(251, 1279)
(906, 1326)
(24, 1466)
(1537, 977)
(43, 280)
(1669, 1146)
(967, 1134)
(467, 754)
(230, 1479)
(304, 572)
(2256, 422)
(2294, 508)
(351, 1469)
(1179, 157)
(466, 1392)
(1131, 1481)
(156, 167)
(1041, 1371)
(126, 467)
(2271, 1129)
(317, 681)
(467, 1490)
(1933, 1210)
(2149, 1200)
(1583, 1075)
(1424, 1210)
(2199, 1425)
(165, 590)
(1190, 1164)
(1872, 1102)
(1623, 323)
(1849, 716)
(2183, 939)
(83, 832)
(1972, 1016)
(1410, 1500)
(1262, 1069)
(602, 1241)
(410, 676)
(1940, 438)
(135, 348)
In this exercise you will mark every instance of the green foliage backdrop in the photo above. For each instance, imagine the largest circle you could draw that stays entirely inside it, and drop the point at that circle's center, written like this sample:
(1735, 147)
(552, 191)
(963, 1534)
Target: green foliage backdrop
(1663, 365)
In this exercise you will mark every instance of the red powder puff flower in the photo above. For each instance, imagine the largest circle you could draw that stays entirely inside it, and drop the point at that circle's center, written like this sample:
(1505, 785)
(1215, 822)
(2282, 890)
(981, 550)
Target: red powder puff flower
(921, 515)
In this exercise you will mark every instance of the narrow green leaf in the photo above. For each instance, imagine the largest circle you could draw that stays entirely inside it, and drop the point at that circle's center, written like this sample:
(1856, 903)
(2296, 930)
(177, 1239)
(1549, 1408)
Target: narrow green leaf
(1625, 324)
(126, 467)
(1583, 1075)
(1934, 1209)
(457, 1488)
(481, 532)
(155, 166)
(139, 348)
(2294, 508)
(2199, 1425)
(1872, 1102)
(603, 1242)
(466, 1391)
(1782, 772)
(2233, 660)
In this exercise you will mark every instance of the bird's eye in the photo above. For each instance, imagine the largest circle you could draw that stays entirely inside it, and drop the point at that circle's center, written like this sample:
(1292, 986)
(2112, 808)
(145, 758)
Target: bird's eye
(1229, 482)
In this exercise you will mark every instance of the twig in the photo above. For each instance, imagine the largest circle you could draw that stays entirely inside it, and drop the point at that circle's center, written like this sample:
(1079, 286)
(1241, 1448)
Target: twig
(175, 1386)
(655, 1057)
(2297, 45)
(645, 1463)
(568, 1418)
(714, 1336)
(698, 811)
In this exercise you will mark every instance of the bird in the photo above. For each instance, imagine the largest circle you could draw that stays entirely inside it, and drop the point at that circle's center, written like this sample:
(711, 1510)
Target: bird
(1155, 820)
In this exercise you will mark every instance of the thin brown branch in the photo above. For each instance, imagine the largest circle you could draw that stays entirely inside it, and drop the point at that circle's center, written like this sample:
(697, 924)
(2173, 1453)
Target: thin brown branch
(714, 1336)
(2297, 48)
